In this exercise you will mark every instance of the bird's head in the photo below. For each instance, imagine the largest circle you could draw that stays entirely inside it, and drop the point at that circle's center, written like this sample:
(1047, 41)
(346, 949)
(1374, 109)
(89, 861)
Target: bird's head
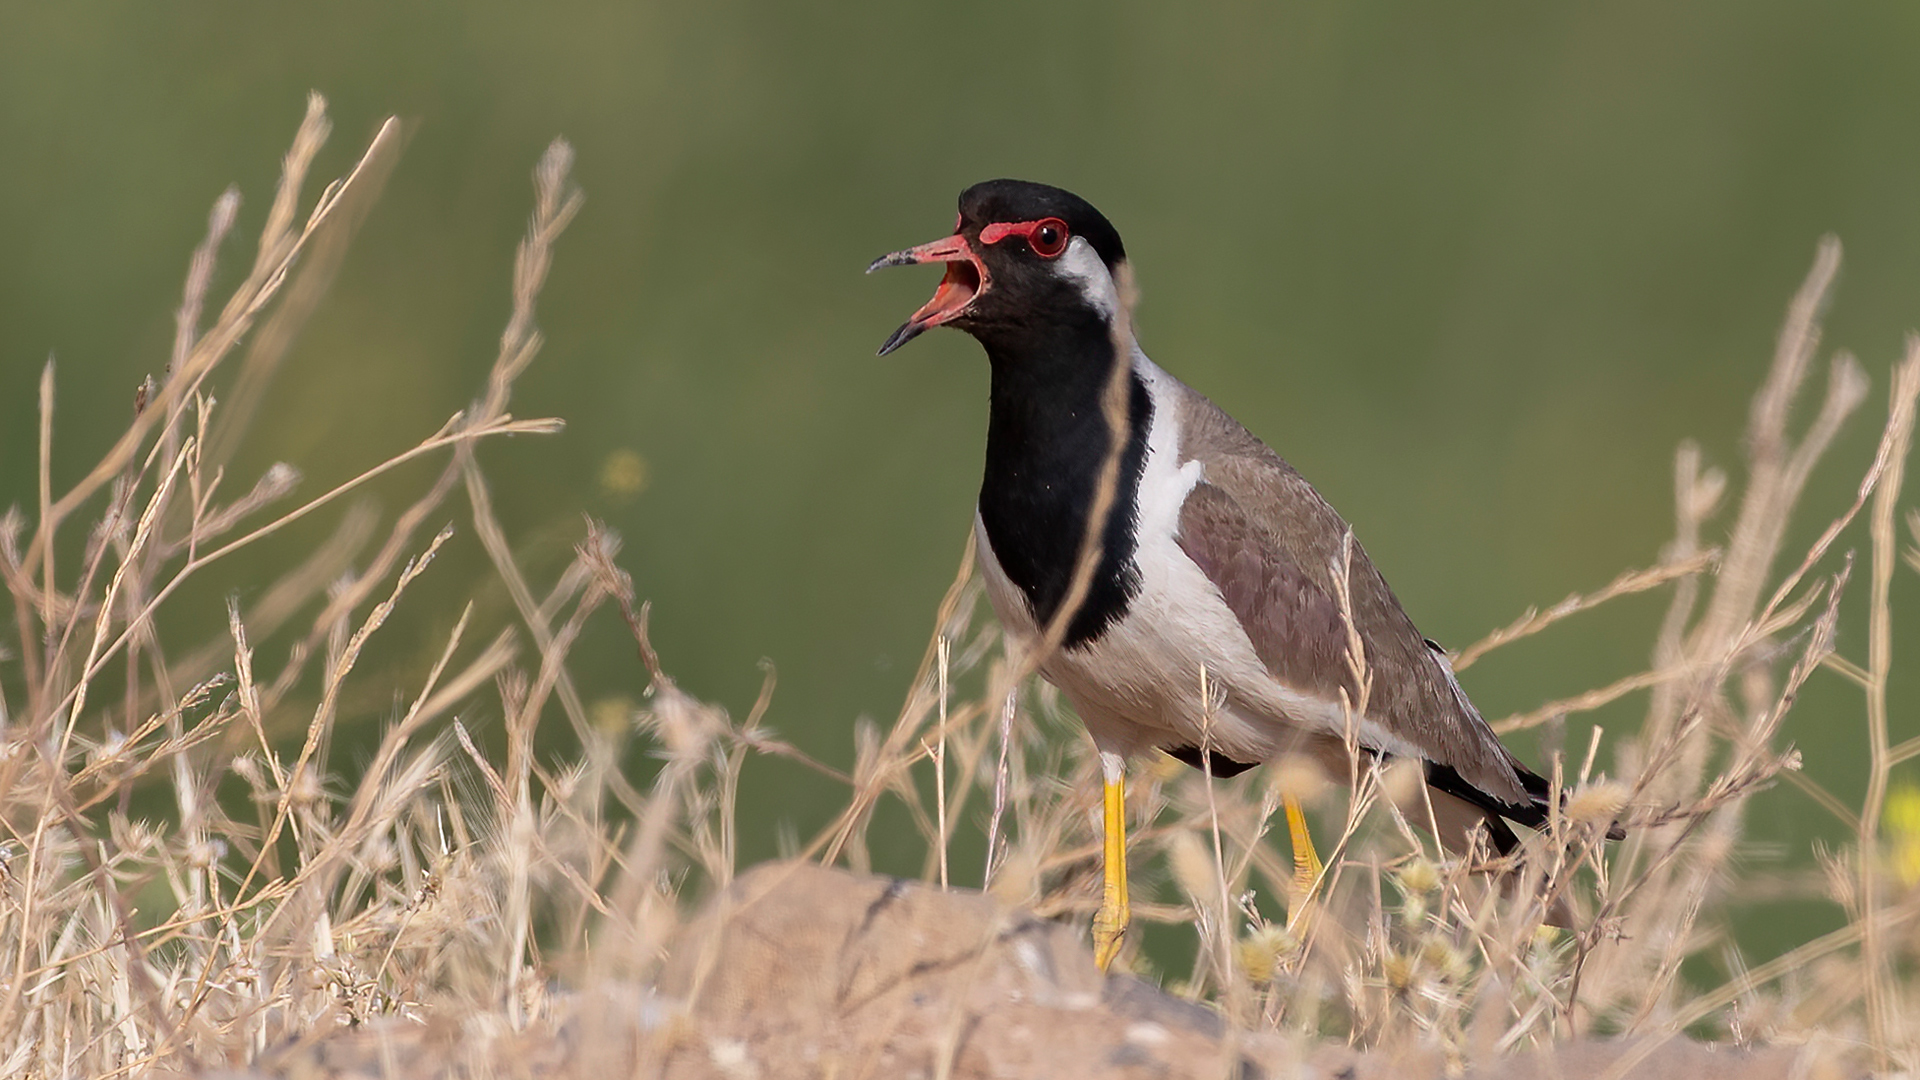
(1024, 259)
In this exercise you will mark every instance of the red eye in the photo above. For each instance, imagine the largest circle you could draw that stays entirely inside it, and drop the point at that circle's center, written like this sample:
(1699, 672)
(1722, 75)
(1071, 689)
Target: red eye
(1048, 238)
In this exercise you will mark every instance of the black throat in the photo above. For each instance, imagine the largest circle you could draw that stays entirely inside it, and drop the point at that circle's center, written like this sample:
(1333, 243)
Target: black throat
(1047, 442)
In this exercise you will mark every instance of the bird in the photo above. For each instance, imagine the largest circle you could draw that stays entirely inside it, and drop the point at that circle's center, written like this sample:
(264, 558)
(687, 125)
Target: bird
(1218, 563)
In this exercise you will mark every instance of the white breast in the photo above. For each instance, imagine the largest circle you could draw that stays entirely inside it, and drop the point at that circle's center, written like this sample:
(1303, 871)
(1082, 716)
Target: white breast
(1139, 683)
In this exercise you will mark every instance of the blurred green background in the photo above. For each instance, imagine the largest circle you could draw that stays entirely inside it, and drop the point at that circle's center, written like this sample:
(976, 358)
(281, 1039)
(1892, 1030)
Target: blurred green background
(1475, 269)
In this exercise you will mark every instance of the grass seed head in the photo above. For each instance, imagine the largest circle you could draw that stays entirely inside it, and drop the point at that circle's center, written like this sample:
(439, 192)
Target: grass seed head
(1300, 777)
(1598, 803)
(1264, 949)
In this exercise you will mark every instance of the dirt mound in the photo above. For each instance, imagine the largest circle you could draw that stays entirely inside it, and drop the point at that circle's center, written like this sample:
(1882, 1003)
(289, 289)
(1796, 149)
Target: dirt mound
(800, 971)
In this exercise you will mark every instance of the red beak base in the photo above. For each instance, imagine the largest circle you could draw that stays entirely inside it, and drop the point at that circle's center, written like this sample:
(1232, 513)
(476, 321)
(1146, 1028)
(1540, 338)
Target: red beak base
(966, 279)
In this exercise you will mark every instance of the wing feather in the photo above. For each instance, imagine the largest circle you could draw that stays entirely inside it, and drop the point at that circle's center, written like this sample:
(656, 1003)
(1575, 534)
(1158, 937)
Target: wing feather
(1270, 543)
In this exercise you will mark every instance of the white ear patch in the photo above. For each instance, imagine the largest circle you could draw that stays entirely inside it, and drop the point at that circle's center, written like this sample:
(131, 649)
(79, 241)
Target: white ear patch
(1082, 266)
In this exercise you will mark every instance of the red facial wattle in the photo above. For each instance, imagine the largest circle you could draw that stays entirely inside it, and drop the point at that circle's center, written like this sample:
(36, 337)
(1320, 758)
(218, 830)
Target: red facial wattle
(1048, 237)
(966, 277)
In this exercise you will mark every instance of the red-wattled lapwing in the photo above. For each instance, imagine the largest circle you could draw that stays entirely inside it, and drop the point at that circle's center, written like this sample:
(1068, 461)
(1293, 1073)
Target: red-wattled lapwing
(1217, 557)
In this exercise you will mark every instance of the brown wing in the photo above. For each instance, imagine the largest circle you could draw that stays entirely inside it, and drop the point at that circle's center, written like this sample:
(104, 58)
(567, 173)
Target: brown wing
(1269, 543)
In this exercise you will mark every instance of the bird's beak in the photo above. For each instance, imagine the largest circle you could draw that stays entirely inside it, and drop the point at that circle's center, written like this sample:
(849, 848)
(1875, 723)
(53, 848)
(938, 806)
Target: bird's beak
(966, 279)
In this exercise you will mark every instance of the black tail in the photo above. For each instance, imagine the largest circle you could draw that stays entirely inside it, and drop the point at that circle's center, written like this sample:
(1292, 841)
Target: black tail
(1533, 813)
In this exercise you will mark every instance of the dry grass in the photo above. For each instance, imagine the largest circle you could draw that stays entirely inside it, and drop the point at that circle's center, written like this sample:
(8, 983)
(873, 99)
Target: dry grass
(277, 889)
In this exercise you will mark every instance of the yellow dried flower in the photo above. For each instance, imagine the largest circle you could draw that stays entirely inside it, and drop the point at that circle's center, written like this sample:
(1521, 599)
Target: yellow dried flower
(613, 715)
(1444, 958)
(1166, 769)
(1398, 968)
(1417, 875)
(623, 474)
(1261, 951)
(1901, 819)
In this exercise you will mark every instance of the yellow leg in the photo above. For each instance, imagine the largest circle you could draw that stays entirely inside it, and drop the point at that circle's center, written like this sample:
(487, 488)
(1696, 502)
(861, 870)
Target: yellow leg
(1306, 861)
(1110, 922)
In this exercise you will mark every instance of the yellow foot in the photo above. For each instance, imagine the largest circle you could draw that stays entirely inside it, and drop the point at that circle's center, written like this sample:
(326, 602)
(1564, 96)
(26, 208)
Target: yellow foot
(1306, 863)
(1109, 933)
(1110, 922)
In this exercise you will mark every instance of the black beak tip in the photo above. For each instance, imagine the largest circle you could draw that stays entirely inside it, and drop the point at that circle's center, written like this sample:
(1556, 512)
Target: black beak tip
(884, 261)
(907, 332)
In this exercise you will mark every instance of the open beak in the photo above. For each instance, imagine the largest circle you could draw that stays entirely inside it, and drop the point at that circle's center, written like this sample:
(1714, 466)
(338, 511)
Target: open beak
(966, 278)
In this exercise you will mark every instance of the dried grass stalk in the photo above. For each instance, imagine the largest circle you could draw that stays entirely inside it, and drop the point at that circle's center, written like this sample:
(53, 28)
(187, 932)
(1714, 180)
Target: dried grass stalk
(286, 890)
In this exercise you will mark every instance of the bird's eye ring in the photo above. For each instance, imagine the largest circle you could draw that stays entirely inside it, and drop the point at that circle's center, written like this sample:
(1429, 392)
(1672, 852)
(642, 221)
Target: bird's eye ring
(1048, 238)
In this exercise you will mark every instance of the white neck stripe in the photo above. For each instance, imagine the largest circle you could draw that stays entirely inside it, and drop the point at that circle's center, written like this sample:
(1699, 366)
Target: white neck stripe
(1082, 266)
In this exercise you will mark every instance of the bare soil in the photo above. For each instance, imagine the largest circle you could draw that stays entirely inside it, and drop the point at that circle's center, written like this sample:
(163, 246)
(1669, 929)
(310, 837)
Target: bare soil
(800, 971)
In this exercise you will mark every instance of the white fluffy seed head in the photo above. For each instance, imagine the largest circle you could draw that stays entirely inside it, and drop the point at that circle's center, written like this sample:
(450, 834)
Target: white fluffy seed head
(1298, 776)
(1192, 865)
(1402, 782)
(1599, 803)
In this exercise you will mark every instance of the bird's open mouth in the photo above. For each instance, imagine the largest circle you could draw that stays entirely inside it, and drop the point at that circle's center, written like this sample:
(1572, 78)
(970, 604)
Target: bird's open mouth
(966, 278)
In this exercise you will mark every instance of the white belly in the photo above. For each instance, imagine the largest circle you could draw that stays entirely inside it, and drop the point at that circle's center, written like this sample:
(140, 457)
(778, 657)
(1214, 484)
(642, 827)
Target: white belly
(1140, 683)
